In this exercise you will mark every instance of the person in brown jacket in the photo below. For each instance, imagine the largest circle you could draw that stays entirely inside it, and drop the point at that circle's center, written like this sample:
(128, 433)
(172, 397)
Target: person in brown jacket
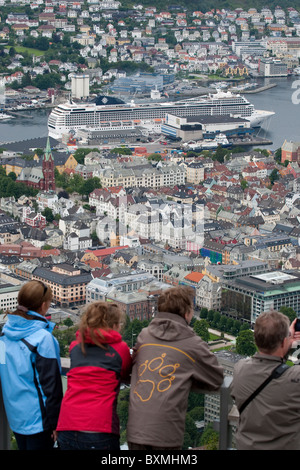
(271, 420)
(170, 359)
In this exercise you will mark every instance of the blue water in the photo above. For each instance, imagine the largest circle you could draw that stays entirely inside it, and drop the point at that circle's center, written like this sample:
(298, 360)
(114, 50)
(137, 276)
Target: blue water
(32, 124)
(284, 100)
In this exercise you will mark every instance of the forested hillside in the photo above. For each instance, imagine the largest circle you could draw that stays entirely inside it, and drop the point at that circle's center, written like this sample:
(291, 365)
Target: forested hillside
(206, 5)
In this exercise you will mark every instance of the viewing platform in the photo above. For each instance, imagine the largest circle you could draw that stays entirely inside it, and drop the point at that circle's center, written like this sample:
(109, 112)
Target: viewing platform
(223, 425)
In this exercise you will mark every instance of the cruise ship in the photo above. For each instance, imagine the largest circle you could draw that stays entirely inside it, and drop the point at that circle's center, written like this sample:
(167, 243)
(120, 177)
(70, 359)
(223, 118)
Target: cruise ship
(112, 113)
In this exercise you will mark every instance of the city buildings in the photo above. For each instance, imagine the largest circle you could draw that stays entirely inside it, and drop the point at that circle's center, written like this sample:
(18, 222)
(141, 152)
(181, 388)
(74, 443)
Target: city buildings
(248, 296)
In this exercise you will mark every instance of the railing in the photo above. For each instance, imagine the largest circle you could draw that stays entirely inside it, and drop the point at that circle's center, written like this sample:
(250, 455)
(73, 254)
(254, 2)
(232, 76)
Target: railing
(224, 425)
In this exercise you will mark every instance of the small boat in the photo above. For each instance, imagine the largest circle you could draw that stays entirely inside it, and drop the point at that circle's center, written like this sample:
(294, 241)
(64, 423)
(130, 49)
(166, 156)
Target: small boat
(4, 116)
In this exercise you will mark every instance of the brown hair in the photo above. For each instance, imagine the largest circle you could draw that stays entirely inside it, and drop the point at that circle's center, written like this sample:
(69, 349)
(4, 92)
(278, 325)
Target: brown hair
(31, 297)
(270, 329)
(178, 300)
(98, 316)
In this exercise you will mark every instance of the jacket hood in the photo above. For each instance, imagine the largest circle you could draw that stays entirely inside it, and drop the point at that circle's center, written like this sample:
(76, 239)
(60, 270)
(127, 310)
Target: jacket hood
(103, 336)
(17, 327)
(169, 327)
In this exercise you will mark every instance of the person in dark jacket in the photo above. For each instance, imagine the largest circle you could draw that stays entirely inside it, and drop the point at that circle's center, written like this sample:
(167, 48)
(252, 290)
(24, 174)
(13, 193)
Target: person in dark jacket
(170, 360)
(100, 360)
(30, 370)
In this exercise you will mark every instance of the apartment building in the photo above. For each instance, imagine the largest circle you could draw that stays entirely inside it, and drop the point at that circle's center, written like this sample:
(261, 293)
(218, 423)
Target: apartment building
(169, 175)
(195, 172)
(68, 283)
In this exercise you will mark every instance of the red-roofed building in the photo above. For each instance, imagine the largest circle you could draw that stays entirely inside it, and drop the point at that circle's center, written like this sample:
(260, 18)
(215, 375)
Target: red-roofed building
(102, 253)
(194, 277)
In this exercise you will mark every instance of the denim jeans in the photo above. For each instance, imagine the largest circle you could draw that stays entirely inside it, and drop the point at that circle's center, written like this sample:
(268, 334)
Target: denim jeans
(39, 441)
(76, 440)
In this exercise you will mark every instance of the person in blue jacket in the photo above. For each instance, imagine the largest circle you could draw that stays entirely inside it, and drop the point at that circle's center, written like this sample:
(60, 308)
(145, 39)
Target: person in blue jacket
(30, 369)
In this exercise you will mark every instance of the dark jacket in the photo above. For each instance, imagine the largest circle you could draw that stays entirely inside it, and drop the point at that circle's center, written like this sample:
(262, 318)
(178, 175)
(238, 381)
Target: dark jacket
(170, 360)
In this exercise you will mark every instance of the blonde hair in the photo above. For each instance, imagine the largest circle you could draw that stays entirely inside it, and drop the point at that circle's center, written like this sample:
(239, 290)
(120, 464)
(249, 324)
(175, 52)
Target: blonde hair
(99, 316)
(178, 300)
(31, 296)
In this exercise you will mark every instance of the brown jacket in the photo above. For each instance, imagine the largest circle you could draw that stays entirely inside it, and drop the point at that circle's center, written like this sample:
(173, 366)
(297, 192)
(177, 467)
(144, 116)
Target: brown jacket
(170, 359)
(272, 420)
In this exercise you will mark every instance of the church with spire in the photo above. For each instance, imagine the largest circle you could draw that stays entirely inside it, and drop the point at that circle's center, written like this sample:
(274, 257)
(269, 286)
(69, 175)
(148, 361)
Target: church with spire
(48, 168)
(41, 174)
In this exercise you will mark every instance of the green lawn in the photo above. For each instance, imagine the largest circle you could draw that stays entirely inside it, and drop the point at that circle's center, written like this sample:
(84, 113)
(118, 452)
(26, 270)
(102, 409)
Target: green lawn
(21, 49)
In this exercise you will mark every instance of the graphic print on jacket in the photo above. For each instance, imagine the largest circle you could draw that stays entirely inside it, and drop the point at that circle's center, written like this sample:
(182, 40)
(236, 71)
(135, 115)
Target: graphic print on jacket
(156, 374)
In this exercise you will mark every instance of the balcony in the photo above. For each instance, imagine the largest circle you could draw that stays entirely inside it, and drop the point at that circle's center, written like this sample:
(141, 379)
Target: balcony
(223, 425)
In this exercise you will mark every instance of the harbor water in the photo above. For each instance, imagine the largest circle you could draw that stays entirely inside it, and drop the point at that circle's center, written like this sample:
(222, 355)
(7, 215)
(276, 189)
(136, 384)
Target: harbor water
(283, 99)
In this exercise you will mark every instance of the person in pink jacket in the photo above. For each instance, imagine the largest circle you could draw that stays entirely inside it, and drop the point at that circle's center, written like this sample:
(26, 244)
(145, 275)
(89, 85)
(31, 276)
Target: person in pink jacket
(100, 360)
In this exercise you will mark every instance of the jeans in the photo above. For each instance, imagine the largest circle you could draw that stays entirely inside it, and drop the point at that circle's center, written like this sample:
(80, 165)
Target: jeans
(39, 441)
(76, 440)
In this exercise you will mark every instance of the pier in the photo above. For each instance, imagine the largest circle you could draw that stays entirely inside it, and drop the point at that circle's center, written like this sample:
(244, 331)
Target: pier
(260, 89)
(250, 141)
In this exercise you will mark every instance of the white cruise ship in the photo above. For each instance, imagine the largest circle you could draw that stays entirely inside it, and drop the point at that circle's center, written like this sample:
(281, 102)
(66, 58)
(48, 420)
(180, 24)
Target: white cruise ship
(109, 113)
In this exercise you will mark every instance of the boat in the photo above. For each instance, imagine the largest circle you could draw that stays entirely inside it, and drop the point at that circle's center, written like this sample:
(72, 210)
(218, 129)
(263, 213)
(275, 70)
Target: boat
(208, 144)
(296, 71)
(101, 113)
(4, 116)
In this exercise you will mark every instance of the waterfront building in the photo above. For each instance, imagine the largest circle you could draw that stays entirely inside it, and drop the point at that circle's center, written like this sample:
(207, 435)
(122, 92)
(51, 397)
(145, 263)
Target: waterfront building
(269, 67)
(199, 127)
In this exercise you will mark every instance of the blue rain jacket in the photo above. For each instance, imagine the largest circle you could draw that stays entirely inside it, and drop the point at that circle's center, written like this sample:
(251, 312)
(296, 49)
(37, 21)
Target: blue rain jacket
(30, 374)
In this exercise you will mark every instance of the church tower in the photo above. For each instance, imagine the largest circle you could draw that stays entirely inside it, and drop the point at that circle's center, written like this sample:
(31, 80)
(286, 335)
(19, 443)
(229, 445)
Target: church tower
(48, 169)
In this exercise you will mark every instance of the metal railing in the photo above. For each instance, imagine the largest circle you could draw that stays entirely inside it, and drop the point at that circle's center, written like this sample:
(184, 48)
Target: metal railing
(224, 426)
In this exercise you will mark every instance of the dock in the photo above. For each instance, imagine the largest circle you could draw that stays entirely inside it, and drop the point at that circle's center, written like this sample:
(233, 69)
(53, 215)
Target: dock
(250, 142)
(259, 90)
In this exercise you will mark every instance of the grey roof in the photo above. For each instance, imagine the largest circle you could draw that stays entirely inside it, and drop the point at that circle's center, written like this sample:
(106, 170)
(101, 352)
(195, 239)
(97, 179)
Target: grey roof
(24, 146)
(62, 279)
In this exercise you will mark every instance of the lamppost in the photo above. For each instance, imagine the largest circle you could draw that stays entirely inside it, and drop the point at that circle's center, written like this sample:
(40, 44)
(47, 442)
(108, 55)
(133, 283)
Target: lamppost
(132, 335)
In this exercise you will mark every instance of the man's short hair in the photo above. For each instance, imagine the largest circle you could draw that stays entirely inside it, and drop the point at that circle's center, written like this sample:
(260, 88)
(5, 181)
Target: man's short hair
(270, 330)
(178, 300)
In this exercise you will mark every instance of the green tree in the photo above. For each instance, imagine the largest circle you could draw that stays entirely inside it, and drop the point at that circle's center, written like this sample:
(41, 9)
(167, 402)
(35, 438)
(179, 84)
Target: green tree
(210, 438)
(89, 185)
(245, 344)
(201, 329)
(64, 338)
(244, 184)
(68, 322)
(122, 407)
(289, 312)
(274, 176)
(47, 212)
(191, 435)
